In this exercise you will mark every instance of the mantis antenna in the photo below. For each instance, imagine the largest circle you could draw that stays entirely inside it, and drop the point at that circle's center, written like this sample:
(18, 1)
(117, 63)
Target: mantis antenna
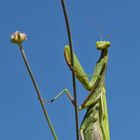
(117, 29)
(98, 29)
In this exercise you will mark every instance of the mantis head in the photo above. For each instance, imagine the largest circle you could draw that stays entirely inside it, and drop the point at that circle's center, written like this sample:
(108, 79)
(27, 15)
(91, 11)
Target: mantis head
(102, 45)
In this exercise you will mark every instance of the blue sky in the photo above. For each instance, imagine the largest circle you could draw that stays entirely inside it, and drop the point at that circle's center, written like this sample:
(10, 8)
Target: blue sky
(21, 117)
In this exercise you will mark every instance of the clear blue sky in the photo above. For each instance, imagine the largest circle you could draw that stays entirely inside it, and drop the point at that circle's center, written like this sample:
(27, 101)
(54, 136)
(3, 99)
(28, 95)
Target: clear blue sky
(21, 117)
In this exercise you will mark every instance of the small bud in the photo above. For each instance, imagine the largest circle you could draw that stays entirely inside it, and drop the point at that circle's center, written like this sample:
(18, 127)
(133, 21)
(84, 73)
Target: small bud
(18, 37)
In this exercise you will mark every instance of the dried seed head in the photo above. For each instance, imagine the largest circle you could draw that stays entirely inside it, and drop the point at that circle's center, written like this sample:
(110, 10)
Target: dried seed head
(18, 37)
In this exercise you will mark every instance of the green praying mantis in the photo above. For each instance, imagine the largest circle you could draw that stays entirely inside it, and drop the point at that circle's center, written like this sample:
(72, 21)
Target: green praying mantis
(95, 125)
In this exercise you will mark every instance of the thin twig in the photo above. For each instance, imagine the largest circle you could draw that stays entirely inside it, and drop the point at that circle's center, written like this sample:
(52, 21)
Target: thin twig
(72, 62)
(38, 92)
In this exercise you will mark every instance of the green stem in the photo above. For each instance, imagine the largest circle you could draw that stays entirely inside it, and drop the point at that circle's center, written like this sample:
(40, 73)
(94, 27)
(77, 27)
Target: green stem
(37, 91)
(72, 62)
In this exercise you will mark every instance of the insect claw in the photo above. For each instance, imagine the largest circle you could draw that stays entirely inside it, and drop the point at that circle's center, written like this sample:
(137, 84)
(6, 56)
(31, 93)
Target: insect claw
(48, 101)
(51, 100)
(79, 108)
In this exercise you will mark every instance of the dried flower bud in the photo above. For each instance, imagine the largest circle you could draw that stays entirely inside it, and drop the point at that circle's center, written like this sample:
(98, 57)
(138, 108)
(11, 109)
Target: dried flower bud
(18, 37)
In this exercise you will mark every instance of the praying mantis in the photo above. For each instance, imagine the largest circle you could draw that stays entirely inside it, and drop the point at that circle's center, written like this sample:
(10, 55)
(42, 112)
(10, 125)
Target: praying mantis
(95, 125)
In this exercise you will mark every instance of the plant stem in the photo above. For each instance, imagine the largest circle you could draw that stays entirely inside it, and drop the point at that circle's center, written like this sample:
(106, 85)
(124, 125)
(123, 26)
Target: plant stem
(38, 92)
(72, 62)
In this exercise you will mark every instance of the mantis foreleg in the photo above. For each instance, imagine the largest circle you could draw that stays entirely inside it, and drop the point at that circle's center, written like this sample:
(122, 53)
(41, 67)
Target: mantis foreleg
(80, 73)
